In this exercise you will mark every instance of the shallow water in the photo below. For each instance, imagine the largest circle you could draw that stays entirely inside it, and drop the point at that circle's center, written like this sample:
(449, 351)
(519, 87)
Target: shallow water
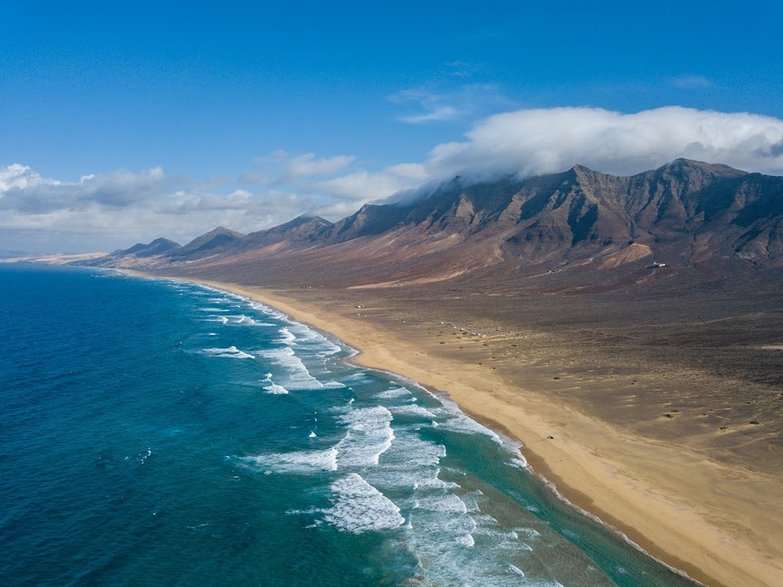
(158, 432)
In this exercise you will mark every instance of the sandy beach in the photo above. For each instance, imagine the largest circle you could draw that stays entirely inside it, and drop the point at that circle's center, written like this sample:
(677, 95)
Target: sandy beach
(717, 520)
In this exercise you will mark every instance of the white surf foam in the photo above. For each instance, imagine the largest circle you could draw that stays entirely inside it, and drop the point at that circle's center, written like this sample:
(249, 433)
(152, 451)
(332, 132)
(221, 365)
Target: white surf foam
(221, 319)
(519, 462)
(416, 454)
(312, 340)
(464, 425)
(275, 389)
(245, 320)
(412, 410)
(516, 570)
(448, 503)
(231, 352)
(369, 436)
(302, 333)
(300, 462)
(411, 464)
(268, 310)
(296, 374)
(466, 540)
(359, 507)
(395, 393)
(287, 337)
(435, 483)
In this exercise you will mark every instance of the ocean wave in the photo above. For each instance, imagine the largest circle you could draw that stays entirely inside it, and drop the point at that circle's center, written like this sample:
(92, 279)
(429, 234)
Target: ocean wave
(435, 482)
(303, 336)
(245, 320)
(369, 436)
(359, 507)
(288, 337)
(300, 462)
(394, 393)
(444, 503)
(231, 352)
(275, 389)
(413, 410)
(221, 319)
(415, 455)
(519, 462)
(464, 425)
(296, 375)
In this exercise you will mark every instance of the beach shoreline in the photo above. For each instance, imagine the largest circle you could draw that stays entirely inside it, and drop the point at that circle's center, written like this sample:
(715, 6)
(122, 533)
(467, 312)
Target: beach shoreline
(701, 517)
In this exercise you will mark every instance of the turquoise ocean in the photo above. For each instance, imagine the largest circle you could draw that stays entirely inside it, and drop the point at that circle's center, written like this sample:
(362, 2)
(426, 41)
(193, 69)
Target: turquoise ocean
(155, 432)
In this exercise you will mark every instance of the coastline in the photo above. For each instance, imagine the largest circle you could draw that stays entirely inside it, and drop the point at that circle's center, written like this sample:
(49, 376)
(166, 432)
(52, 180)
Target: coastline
(709, 520)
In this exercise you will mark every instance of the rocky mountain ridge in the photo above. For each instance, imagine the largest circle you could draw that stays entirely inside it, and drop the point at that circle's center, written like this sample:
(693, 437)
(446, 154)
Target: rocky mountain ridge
(682, 215)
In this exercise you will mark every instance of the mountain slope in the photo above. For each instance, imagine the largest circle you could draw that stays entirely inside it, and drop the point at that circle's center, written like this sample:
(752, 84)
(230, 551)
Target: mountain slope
(302, 229)
(208, 244)
(137, 256)
(159, 246)
(685, 214)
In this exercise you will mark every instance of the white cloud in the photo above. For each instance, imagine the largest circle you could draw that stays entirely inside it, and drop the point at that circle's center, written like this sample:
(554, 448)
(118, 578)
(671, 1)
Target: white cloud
(19, 176)
(364, 186)
(441, 105)
(326, 181)
(23, 189)
(690, 82)
(115, 210)
(434, 114)
(308, 164)
(548, 140)
(281, 167)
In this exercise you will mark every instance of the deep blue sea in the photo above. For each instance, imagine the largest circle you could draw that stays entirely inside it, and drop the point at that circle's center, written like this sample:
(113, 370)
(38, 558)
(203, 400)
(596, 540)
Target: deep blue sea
(163, 433)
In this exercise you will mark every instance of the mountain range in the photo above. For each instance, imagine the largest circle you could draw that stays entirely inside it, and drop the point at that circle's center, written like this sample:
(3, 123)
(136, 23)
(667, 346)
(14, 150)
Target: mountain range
(682, 216)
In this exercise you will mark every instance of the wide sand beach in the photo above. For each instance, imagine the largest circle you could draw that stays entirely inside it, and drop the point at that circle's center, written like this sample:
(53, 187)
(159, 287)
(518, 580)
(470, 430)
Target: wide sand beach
(671, 483)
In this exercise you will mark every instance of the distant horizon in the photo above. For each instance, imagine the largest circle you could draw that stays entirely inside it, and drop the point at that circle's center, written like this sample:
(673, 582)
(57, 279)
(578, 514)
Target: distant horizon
(141, 120)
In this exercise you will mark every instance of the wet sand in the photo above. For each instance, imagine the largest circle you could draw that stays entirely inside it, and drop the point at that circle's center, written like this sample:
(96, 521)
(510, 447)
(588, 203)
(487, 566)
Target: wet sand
(649, 452)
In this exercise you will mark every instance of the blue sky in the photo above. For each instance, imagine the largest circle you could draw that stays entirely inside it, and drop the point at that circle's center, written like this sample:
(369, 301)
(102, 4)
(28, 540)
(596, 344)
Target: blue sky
(276, 109)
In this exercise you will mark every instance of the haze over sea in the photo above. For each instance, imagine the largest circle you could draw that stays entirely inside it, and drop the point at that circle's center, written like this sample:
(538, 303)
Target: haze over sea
(158, 432)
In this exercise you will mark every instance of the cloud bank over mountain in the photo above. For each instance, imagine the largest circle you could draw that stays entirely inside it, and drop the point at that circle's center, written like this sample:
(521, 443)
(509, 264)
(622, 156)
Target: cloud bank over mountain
(104, 211)
(536, 141)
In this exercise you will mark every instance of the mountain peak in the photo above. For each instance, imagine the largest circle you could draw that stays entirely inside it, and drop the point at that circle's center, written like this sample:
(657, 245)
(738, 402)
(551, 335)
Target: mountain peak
(220, 230)
(209, 243)
(303, 228)
(682, 164)
(156, 247)
(579, 168)
(299, 223)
